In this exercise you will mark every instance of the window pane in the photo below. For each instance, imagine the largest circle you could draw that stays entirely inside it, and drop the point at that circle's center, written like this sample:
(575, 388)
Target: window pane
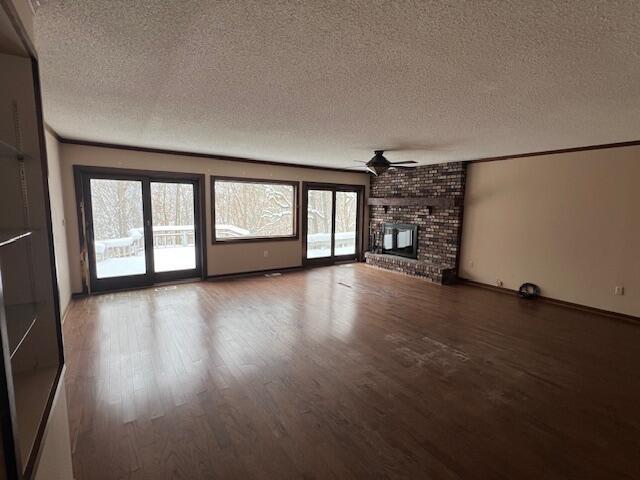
(319, 217)
(254, 210)
(346, 215)
(174, 238)
(118, 227)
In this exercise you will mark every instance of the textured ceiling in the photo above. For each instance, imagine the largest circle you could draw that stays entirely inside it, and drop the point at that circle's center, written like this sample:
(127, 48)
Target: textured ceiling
(326, 82)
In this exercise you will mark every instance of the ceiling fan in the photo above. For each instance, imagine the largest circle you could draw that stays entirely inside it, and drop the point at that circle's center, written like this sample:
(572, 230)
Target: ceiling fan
(379, 164)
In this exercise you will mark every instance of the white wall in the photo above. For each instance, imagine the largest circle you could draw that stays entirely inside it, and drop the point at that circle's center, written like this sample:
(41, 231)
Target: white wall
(567, 222)
(58, 221)
(222, 259)
(55, 459)
(26, 16)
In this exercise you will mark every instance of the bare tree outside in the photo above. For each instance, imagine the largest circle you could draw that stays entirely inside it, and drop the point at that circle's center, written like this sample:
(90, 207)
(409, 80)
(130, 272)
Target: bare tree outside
(172, 203)
(117, 207)
(346, 219)
(117, 225)
(244, 209)
(319, 221)
(172, 211)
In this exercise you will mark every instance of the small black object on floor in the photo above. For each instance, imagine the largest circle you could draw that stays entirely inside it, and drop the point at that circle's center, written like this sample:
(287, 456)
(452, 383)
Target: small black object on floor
(529, 290)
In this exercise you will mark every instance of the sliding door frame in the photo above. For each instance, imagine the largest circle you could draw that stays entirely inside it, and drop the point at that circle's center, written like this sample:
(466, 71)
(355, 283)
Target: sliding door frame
(334, 188)
(90, 282)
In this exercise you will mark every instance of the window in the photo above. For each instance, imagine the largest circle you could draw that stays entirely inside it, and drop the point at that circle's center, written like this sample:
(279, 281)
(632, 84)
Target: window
(249, 209)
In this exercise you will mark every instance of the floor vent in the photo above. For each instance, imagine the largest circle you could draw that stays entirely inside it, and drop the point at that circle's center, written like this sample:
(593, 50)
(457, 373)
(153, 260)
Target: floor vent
(269, 275)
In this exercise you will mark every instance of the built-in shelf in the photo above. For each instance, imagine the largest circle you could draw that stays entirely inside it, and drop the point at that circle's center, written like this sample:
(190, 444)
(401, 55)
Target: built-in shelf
(32, 390)
(31, 351)
(9, 151)
(440, 202)
(20, 321)
(8, 237)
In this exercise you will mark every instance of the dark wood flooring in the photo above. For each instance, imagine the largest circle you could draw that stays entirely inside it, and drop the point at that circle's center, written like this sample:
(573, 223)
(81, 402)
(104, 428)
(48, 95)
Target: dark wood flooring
(348, 372)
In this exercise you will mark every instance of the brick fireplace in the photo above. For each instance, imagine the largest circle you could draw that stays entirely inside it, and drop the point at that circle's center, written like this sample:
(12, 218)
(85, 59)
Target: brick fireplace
(430, 197)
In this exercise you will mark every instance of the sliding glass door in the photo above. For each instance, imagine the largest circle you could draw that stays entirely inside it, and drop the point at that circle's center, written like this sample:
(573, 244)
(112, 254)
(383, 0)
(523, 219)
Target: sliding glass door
(174, 236)
(331, 222)
(346, 223)
(117, 213)
(139, 230)
(319, 223)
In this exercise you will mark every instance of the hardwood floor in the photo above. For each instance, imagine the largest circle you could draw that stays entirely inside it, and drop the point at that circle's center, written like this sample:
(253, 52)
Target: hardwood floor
(348, 372)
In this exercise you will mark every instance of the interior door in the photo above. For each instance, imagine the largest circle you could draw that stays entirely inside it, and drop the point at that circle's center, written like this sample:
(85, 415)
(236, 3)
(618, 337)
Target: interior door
(331, 223)
(140, 230)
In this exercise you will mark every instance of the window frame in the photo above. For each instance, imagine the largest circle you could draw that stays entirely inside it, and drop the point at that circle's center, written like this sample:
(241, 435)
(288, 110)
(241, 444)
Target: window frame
(267, 181)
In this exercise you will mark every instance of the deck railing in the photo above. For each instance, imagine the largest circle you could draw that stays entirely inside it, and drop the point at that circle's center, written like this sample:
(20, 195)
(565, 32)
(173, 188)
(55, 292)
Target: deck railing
(345, 242)
(184, 236)
(133, 244)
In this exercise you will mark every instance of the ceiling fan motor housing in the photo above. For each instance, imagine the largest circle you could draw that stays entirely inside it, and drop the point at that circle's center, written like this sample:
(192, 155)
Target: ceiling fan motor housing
(378, 164)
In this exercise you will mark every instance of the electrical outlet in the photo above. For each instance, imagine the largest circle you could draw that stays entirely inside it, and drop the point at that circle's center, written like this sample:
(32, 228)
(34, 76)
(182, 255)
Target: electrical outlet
(470, 263)
(619, 291)
(499, 283)
(266, 253)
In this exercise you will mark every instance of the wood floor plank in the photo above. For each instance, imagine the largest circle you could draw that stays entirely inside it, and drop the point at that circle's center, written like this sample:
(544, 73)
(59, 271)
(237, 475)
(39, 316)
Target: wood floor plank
(348, 372)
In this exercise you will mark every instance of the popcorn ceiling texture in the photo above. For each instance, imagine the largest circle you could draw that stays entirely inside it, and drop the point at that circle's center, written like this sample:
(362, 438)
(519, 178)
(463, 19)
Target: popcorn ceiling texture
(326, 82)
(438, 228)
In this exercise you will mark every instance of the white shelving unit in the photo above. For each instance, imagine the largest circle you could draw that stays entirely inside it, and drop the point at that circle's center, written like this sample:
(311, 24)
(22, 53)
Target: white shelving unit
(32, 392)
(7, 237)
(20, 320)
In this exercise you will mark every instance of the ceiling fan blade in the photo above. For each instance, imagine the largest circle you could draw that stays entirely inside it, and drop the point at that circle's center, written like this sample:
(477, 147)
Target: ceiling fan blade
(406, 162)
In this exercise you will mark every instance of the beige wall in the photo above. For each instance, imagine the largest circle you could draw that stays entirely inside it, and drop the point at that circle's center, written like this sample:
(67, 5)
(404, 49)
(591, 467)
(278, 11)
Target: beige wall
(567, 222)
(222, 259)
(58, 221)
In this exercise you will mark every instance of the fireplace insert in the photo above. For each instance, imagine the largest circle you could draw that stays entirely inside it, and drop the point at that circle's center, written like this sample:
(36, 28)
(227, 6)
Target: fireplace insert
(400, 239)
